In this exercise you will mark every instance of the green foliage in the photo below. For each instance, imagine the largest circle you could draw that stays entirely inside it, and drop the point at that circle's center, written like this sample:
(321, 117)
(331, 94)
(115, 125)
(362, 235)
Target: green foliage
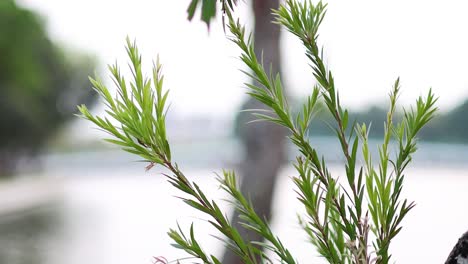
(340, 214)
(208, 9)
(139, 108)
(456, 120)
(39, 85)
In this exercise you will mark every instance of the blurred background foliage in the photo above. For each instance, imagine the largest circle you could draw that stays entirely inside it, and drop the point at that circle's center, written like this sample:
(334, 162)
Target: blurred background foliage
(447, 127)
(40, 84)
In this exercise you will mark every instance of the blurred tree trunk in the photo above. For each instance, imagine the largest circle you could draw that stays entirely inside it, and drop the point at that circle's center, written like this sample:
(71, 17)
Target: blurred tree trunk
(263, 142)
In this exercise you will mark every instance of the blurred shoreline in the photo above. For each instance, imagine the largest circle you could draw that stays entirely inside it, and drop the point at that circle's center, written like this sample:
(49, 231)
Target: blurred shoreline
(123, 217)
(99, 205)
(228, 152)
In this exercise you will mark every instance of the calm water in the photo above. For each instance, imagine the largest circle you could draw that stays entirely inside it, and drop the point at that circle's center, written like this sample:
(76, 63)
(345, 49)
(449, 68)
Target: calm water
(120, 214)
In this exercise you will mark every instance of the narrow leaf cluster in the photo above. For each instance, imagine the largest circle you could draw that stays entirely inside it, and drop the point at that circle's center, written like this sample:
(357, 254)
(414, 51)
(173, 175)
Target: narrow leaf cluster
(350, 220)
(136, 122)
(138, 108)
(338, 219)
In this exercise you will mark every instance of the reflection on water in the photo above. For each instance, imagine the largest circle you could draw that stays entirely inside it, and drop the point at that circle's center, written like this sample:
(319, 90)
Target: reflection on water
(124, 219)
(113, 212)
(30, 237)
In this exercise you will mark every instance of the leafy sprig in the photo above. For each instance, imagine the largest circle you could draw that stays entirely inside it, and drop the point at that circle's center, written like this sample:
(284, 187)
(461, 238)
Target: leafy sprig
(138, 108)
(338, 222)
(344, 211)
(138, 126)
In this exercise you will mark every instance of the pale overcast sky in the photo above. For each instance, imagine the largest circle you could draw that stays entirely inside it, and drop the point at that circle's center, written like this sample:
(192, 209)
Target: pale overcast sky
(368, 44)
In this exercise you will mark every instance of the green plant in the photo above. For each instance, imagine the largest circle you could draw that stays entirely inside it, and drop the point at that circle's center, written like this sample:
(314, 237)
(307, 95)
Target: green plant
(340, 214)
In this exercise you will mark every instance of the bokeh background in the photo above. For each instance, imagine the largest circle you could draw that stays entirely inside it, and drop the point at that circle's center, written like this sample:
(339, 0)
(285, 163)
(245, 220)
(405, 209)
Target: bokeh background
(67, 197)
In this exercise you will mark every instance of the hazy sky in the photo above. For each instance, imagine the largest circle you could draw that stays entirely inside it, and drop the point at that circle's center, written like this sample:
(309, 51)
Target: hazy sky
(368, 45)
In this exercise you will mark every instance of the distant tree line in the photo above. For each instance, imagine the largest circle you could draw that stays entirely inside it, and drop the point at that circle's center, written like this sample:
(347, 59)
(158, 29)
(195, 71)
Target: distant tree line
(451, 126)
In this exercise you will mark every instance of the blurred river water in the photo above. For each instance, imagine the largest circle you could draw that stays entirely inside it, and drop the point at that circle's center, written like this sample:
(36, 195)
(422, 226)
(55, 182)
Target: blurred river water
(108, 210)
